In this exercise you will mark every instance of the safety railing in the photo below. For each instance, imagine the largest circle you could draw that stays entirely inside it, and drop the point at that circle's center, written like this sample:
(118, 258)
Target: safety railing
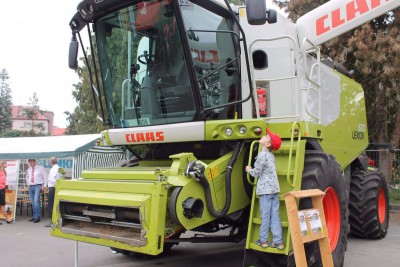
(294, 46)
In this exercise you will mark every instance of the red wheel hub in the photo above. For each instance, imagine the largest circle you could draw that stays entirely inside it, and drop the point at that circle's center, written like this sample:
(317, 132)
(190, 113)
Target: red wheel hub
(332, 216)
(381, 205)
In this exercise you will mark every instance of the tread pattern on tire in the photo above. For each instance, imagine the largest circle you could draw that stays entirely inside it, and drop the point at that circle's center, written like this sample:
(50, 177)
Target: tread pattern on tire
(364, 218)
(322, 171)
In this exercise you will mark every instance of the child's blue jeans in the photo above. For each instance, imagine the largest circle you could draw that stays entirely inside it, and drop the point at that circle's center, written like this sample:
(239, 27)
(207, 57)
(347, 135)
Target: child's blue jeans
(269, 208)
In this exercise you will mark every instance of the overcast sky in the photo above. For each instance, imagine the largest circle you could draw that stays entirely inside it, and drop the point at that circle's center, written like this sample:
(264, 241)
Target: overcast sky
(34, 43)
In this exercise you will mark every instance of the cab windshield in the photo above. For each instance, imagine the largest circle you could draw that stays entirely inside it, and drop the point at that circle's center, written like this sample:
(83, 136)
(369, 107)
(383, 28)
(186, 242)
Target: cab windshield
(145, 69)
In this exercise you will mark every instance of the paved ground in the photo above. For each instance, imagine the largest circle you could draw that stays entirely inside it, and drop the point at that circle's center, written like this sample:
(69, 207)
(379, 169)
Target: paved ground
(383, 253)
(26, 244)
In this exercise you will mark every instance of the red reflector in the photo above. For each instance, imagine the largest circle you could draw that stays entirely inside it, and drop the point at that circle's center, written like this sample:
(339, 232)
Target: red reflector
(258, 131)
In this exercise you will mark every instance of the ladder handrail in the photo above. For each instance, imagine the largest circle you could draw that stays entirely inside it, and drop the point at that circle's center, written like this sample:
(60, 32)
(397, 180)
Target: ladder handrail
(292, 45)
(249, 163)
(291, 183)
(123, 97)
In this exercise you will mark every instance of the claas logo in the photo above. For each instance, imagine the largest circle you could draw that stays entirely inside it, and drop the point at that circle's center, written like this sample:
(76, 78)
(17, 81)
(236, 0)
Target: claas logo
(340, 16)
(145, 137)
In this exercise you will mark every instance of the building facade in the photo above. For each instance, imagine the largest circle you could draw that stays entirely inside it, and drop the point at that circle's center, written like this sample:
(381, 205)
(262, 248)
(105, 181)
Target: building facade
(44, 121)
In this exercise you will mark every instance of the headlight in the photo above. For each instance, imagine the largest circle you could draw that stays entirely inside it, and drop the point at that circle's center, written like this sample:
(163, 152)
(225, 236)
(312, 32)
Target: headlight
(228, 132)
(243, 130)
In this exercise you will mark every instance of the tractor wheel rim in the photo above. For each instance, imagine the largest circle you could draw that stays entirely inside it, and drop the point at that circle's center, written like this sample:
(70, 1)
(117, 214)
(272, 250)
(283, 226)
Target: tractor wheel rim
(332, 216)
(381, 205)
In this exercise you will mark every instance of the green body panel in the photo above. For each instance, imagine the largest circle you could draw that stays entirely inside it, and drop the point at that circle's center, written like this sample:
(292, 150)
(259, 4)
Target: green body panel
(215, 130)
(347, 137)
(146, 189)
(140, 173)
(103, 198)
(215, 173)
(150, 199)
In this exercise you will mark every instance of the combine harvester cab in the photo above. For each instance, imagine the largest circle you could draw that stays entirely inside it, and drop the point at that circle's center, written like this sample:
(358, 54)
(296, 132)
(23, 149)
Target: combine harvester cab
(188, 87)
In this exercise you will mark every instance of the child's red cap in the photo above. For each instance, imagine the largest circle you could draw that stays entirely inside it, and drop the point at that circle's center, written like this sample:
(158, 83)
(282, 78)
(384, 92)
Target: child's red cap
(275, 140)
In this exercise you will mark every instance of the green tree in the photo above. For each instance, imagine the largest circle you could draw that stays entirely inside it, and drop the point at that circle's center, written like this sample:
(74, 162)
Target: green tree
(83, 120)
(5, 103)
(237, 2)
(32, 112)
(373, 51)
(12, 133)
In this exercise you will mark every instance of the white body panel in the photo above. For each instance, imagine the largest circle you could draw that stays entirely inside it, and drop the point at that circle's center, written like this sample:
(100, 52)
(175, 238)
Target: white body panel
(299, 87)
(279, 77)
(290, 95)
(336, 17)
(320, 103)
(179, 132)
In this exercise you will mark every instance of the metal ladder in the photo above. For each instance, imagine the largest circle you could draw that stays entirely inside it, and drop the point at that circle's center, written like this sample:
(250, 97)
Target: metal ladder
(289, 166)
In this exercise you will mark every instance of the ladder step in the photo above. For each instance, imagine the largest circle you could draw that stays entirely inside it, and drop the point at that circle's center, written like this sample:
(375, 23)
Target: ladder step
(313, 237)
(286, 147)
(270, 250)
(284, 172)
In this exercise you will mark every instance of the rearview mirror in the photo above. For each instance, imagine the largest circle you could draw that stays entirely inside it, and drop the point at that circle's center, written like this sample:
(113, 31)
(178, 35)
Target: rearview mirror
(256, 10)
(271, 16)
(73, 54)
(258, 14)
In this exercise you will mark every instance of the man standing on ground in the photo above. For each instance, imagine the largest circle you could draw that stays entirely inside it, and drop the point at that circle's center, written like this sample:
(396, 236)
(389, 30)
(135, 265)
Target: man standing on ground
(54, 174)
(35, 178)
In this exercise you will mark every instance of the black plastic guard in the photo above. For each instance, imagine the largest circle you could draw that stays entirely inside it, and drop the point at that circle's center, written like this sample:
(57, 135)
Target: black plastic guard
(262, 259)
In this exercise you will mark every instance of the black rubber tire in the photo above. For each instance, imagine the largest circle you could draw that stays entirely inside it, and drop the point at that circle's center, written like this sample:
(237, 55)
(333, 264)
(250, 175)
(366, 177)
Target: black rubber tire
(321, 171)
(364, 215)
(168, 246)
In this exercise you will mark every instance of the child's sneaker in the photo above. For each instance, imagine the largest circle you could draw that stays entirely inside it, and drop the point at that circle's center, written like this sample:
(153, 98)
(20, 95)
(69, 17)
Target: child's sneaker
(262, 244)
(279, 246)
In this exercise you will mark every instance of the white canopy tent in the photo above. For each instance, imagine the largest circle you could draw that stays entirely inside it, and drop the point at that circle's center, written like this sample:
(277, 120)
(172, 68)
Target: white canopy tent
(75, 153)
(46, 146)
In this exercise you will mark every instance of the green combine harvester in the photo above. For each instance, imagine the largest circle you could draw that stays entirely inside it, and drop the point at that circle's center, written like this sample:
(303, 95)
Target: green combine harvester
(189, 87)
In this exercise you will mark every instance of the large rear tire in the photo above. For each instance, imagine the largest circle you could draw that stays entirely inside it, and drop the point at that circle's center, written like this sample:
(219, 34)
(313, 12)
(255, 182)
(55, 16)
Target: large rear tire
(321, 171)
(369, 205)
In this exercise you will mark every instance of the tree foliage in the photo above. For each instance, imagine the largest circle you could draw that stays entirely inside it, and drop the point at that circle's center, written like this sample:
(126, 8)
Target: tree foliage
(19, 133)
(5, 103)
(237, 2)
(83, 120)
(11, 133)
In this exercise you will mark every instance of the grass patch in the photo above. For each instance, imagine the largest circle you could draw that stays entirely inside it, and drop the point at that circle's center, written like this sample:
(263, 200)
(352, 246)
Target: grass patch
(394, 196)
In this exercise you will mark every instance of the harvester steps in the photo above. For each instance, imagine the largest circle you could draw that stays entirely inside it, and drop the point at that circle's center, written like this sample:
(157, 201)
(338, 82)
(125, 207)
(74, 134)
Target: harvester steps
(269, 250)
(286, 147)
(284, 172)
(289, 167)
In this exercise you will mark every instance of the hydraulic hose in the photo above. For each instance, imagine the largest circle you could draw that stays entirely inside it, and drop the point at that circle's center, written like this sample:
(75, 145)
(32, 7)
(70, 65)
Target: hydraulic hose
(228, 185)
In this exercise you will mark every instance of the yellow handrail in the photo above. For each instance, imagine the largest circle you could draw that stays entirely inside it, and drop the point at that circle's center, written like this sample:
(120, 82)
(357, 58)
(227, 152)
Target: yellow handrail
(249, 162)
(291, 183)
